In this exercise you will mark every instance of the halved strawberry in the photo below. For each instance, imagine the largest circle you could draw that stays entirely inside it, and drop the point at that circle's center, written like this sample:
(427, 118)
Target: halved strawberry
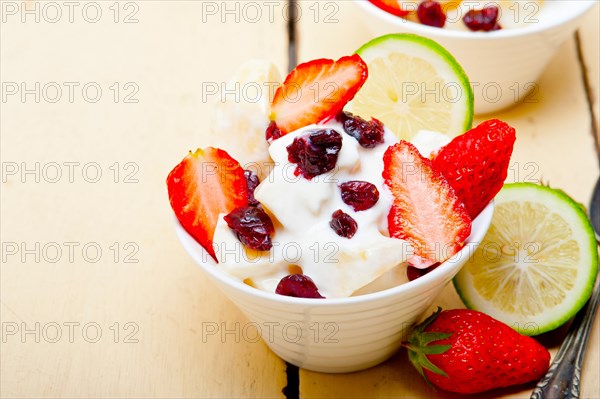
(426, 212)
(316, 91)
(206, 183)
(391, 6)
(476, 163)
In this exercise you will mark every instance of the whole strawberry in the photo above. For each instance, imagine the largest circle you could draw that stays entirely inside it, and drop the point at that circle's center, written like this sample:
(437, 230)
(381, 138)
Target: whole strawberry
(466, 351)
(476, 163)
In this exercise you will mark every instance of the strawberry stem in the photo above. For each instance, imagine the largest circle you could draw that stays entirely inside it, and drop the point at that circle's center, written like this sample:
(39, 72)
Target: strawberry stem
(419, 346)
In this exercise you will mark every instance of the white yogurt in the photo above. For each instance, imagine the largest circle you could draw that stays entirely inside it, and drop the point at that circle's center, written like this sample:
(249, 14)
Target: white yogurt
(301, 210)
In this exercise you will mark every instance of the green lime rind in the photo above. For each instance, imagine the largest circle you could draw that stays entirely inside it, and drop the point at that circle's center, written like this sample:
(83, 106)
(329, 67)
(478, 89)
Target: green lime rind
(438, 50)
(551, 318)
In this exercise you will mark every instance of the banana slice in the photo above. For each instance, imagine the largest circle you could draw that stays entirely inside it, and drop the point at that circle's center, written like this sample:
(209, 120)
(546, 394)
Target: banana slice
(242, 114)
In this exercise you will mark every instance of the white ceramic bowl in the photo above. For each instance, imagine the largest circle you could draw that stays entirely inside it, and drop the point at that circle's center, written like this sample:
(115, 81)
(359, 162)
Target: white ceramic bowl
(343, 334)
(502, 65)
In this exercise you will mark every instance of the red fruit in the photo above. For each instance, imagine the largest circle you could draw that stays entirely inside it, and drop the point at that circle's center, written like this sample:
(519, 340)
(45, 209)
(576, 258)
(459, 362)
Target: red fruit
(316, 91)
(360, 195)
(272, 133)
(204, 184)
(430, 13)
(414, 273)
(391, 6)
(475, 163)
(299, 286)
(467, 352)
(252, 226)
(315, 153)
(485, 19)
(426, 212)
(343, 224)
(368, 134)
(252, 181)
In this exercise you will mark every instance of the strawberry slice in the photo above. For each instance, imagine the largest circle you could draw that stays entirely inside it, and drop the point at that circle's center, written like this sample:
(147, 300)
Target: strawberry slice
(206, 183)
(476, 163)
(426, 212)
(391, 6)
(316, 91)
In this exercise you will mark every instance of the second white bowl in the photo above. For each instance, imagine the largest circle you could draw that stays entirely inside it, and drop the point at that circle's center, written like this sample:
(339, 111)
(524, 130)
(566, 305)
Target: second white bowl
(505, 65)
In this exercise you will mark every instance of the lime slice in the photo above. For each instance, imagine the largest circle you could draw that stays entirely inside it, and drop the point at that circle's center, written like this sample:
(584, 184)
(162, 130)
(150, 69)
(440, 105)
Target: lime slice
(537, 264)
(414, 84)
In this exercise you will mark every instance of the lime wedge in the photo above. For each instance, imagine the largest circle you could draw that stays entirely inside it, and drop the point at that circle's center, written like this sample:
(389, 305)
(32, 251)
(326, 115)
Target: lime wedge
(537, 264)
(414, 84)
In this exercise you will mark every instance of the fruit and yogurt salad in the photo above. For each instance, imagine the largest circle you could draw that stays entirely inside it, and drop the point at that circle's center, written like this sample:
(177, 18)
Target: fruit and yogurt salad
(345, 200)
(476, 16)
(389, 195)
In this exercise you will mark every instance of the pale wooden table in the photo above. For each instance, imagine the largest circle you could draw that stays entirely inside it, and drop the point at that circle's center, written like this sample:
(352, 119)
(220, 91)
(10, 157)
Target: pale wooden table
(143, 294)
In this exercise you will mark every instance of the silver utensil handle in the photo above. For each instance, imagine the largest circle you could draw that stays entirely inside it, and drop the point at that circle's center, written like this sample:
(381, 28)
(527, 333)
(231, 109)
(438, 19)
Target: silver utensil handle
(563, 377)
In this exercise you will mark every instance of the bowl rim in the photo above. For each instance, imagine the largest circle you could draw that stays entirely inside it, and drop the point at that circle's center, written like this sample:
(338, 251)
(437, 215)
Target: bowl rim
(196, 251)
(576, 9)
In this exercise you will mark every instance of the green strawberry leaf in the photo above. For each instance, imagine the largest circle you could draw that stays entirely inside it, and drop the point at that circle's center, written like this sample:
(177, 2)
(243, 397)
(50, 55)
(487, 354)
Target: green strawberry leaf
(428, 337)
(429, 320)
(435, 349)
(418, 346)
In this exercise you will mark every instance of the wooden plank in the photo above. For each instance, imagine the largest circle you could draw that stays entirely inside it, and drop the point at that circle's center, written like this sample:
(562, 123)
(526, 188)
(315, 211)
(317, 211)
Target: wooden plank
(589, 34)
(553, 144)
(166, 57)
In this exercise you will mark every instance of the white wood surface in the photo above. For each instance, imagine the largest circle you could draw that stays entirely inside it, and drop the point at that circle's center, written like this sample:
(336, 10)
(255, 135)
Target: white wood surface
(168, 54)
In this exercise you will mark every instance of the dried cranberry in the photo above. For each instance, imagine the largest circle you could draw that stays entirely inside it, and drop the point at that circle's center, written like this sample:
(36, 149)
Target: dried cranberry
(414, 273)
(252, 182)
(273, 132)
(368, 134)
(252, 226)
(343, 224)
(315, 153)
(430, 13)
(299, 286)
(360, 195)
(485, 19)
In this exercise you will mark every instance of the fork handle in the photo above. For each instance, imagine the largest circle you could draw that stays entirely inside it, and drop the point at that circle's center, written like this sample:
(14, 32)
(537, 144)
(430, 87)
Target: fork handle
(563, 378)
